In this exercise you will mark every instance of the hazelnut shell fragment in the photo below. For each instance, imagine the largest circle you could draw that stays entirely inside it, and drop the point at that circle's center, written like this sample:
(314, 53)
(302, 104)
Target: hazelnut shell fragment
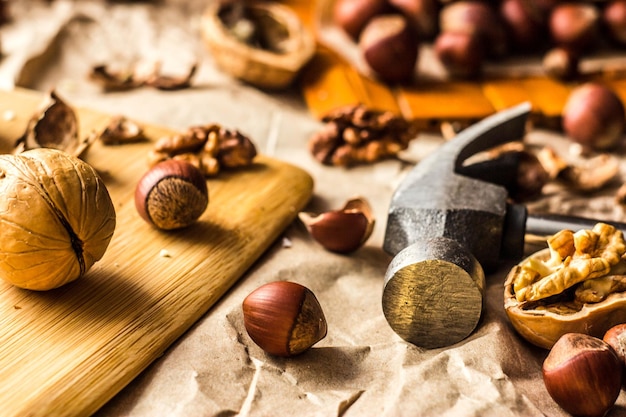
(343, 230)
(284, 318)
(171, 195)
(583, 375)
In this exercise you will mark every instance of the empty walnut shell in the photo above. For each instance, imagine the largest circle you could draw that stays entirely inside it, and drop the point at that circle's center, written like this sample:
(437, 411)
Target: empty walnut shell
(56, 217)
(542, 324)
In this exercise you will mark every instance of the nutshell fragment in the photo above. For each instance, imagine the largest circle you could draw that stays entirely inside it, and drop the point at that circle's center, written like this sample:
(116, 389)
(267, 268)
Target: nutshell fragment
(122, 130)
(130, 78)
(54, 125)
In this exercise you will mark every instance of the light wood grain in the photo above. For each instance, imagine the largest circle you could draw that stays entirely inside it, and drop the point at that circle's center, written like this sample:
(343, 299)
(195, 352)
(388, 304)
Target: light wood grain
(67, 351)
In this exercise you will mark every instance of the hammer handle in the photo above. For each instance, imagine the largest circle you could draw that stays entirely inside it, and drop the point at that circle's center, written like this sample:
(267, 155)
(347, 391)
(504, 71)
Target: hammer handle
(549, 224)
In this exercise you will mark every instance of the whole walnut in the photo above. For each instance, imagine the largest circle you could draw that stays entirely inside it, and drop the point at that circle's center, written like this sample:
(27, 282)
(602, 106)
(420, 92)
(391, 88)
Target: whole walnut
(56, 217)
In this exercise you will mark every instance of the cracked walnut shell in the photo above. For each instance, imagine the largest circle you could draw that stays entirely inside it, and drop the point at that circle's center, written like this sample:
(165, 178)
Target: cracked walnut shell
(56, 216)
(576, 285)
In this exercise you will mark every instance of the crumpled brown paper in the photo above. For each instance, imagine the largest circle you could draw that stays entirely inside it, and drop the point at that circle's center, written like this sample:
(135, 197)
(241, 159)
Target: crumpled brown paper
(361, 368)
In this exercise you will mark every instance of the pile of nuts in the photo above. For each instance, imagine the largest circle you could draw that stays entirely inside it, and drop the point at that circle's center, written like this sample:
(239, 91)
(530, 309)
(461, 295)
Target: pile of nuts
(209, 147)
(357, 135)
(466, 33)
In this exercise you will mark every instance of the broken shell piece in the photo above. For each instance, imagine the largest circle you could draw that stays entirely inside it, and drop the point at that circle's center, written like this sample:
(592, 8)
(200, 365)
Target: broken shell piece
(169, 82)
(591, 174)
(54, 125)
(265, 45)
(111, 80)
(135, 77)
(343, 230)
(121, 130)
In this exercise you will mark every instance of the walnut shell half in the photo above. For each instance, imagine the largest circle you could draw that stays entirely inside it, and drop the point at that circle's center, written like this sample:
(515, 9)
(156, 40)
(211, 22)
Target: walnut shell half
(56, 217)
(543, 323)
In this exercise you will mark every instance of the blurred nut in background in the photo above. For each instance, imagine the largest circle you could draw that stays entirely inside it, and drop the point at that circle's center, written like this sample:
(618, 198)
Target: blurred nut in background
(390, 47)
(593, 116)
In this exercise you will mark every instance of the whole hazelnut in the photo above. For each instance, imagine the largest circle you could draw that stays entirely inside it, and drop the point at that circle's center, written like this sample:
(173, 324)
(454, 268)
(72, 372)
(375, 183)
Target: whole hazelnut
(390, 47)
(561, 63)
(473, 16)
(616, 338)
(575, 25)
(171, 195)
(284, 318)
(593, 116)
(57, 218)
(422, 14)
(525, 23)
(353, 15)
(614, 20)
(343, 230)
(583, 375)
(461, 53)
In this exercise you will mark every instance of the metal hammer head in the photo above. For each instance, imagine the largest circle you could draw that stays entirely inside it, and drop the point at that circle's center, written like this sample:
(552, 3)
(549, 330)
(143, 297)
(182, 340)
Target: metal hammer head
(445, 226)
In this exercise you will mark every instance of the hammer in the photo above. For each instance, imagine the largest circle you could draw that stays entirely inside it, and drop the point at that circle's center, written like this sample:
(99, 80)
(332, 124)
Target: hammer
(448, 223)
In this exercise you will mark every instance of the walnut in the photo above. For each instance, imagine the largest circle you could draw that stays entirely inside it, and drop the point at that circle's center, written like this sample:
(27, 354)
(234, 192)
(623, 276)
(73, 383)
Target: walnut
(210, 147)
(574, 258)
(56, 216)
(357, 135)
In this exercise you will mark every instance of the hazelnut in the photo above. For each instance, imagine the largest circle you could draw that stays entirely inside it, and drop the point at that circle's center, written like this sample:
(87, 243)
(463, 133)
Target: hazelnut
(525, 24)
(343, 230)
(616, 338)
(575, 25)
(284, 318)
(561, 63)
(614, 19)
(390, 47)
(422, 14)
(583, 375)
(479, 18)
(593, 116)
(353, 15)
(57, 218)
(172, 194)
(461, 53)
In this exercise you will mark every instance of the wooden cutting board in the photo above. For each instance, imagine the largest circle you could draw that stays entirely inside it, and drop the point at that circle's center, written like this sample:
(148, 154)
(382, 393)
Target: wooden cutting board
(67, 351)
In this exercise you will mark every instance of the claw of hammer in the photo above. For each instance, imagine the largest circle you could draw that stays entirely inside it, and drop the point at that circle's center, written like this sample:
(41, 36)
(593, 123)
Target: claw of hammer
(444, 226)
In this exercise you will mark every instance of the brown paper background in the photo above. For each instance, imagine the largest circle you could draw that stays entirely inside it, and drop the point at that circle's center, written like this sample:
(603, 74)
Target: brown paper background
(361, 368)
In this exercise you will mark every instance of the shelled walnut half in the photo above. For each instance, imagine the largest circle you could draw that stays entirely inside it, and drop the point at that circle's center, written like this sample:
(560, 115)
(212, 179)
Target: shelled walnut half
(355, 135)
(577, 284)
(210, 148)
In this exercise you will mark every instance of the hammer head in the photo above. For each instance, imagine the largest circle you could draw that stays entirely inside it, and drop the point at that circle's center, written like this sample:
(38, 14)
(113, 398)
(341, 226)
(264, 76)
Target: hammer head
(438, 198)
(447, 221)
